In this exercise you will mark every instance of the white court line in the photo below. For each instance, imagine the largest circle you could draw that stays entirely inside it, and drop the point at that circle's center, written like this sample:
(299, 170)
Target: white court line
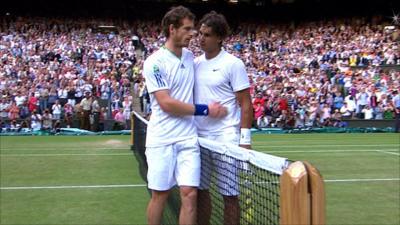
(362, 180)
(311, 146)
(254, 145)
(307, 140)
(75, 187)
(58, 148)
(386, 152)
(145, 185)
(66, 154)
(326, 151)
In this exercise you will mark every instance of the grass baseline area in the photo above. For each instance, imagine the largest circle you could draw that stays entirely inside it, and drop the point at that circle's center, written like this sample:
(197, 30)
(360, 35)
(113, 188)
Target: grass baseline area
(78, 132)
(94, 179)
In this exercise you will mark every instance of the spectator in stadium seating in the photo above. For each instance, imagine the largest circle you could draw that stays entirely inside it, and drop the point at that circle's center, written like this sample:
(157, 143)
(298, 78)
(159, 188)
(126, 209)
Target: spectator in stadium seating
(4, 105)
(119, 120)
(62, 94)
(396, 103)
(350, 105)
(43, 99)
(19, 98)
(70, 95)
(388, 113)
(47, 120)
(79, 114)
(345, 111)
(13, 111)
(258, 113)
(36, 120)
(171, 132)
(24, 111)
(53, 97)
(368, 112)
(362, 101)
(222, 77)
(14, 126)
(115, 104)
(127, 108)
(86, 105)
(338, 101)
(262, 122)
(68, 114)
(56, 110)
(95, 114)
(325, 113)
(378, 112)
(33, 102)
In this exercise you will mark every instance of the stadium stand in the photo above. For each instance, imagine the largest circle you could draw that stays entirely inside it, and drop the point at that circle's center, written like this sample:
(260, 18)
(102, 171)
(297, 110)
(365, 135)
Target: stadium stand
(310, 73)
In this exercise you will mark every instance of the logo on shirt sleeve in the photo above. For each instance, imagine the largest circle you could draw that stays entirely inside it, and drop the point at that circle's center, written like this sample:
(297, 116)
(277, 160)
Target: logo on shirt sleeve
(157, 75)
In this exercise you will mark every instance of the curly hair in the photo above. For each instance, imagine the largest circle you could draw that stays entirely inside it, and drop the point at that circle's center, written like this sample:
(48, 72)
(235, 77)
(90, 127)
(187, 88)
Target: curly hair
(217, 22)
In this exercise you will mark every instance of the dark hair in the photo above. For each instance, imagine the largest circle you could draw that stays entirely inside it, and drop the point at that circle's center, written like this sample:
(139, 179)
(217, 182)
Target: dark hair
(175, 16)
(217, 22)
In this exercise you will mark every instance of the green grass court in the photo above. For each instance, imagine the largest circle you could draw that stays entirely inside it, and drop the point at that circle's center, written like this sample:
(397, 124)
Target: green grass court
(95, 179)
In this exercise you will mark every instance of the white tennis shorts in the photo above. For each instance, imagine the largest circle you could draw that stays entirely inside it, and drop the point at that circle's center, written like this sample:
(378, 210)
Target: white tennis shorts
(178, 163)
(225, 167)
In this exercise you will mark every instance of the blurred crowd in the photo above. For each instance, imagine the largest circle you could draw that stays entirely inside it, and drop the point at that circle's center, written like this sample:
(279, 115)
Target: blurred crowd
(64, 70)
(309, 74)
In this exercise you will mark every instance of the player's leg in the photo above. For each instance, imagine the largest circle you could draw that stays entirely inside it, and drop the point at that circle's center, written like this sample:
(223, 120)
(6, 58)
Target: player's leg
(156, 206)
(187, 175)
(188, 213)
(228, 183)
(228, 171)
(231, 210)
(160, 176)
(204, 207)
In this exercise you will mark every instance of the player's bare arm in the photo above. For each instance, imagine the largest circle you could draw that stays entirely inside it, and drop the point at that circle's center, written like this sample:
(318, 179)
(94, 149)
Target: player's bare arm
(178, 108)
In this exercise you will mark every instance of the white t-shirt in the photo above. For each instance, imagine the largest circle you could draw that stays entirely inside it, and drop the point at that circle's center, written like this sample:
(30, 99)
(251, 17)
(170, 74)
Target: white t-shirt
(36, 123)
(368, 113)
(19, 100)
(56, 108)
(163, 70)
(217, 80)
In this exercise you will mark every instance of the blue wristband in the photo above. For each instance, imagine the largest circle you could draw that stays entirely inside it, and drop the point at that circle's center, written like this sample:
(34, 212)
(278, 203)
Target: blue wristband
(200, 110)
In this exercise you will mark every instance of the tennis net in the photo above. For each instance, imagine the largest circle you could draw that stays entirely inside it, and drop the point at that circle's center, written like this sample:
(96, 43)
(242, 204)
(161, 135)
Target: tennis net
(228, 169)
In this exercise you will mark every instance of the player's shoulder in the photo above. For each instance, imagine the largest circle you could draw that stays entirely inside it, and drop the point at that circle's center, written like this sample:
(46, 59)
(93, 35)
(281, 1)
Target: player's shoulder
(230, 57)
(157, 55)
(187, 53)
(156, 58)
(199, 59)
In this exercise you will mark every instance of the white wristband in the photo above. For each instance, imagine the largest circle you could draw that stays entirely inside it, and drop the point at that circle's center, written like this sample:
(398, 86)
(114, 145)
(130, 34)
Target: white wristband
(245, 136)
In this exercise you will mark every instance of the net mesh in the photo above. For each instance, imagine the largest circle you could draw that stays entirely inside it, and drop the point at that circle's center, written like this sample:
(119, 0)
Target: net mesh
(226, 170)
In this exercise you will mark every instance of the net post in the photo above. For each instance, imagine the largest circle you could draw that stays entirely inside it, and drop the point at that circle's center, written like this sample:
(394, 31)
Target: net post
(132, 138)
(317, 195)
(295, 200)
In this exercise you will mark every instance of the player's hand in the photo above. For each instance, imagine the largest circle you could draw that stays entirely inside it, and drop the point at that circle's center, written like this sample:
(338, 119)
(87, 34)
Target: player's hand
(245, 146)
(216, 110)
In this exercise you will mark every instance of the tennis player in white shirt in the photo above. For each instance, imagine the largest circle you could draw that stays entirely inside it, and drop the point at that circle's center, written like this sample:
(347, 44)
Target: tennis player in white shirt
(221, 77)
(172, 150)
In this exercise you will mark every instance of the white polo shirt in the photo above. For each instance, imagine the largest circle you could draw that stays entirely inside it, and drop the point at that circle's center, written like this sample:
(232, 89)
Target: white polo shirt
(163, 70)
(217, 80)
